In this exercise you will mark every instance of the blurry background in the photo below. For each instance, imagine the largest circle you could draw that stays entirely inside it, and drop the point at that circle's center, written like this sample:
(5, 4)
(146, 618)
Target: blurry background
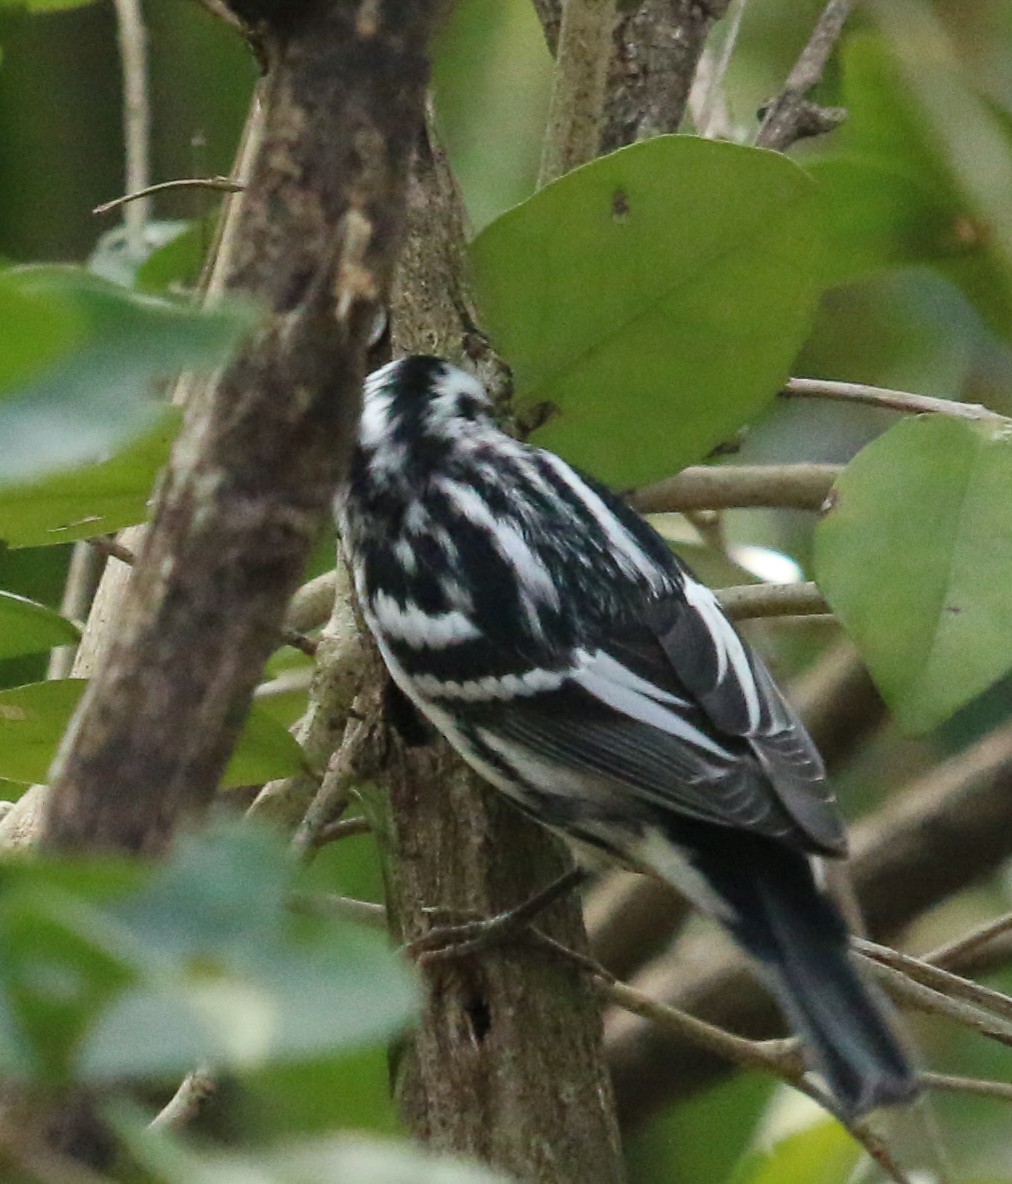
(909, 320)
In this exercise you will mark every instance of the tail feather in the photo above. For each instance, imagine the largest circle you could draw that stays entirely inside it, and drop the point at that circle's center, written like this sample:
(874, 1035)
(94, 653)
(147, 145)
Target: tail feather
(842, 1024)
(773, 906)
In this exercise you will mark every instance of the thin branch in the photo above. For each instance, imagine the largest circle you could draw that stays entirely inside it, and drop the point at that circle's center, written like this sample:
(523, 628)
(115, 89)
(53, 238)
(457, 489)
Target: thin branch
(968, 1085)
(576, 111)
(916, 995)
(345, 908)
(877, 396)
(344, 828)
(220, 184)
(136, 118)
(107, 544)
(707, 101)
(790, 116)
(187, 1103)
(754, 601)
(965, 947)
(781, 1058)
(725, 487)
(334, 794)
(944, 981)
(83, 577)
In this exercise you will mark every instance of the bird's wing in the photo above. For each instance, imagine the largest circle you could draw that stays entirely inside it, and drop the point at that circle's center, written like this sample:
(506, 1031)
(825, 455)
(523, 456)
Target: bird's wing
(691, 641)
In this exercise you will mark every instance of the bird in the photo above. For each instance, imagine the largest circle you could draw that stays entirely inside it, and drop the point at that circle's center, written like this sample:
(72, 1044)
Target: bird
(552, 636)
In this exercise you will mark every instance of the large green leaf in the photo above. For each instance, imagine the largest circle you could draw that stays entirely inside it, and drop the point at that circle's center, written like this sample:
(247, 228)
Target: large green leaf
(915, 557)
(96, 391)
(656, 297)
(27, 627)
(921, 171)
(90, 500)
(34, 717)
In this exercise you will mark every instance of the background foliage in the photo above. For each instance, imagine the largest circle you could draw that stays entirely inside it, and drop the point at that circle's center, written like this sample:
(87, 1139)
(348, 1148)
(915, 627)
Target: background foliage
(658, 324)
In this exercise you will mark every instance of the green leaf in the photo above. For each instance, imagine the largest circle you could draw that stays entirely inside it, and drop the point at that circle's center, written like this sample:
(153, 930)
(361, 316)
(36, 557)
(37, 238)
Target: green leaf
(178, 262)
(656, 297)
(266, 750)
(27, 627)
(113, 258)
(91, 500)
(823, 1153)
(240, 985)
(922, 174)
(352, 1158)
(96, 395)
(44, 5)
(34, 717)
(915, 557)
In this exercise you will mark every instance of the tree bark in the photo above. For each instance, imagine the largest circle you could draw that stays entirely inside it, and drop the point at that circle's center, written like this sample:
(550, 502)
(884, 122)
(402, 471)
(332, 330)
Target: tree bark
(263, 447)
(506, 1063)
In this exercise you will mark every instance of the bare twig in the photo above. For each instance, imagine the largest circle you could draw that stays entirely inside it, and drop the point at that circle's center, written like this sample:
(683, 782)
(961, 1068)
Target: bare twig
(722, 487)
(877, 396)
(187, 1103)
(334, 794)
(943, 981)
(219, 184)
(753, 601)
(781, 1058)
(965, 947)
(345, 908)
(916, 995)
(969, 1085)
(707, 101)
(575, 115)
(791, 116)
(344, 828)
(83, 578)
(136, 118)
(107, 544)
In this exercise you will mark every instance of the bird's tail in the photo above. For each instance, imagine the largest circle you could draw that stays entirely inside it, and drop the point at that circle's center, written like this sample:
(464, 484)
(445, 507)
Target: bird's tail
(795, 932)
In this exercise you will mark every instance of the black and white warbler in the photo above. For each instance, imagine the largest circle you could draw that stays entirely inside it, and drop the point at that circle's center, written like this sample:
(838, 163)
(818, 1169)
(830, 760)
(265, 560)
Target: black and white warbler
(553, 638)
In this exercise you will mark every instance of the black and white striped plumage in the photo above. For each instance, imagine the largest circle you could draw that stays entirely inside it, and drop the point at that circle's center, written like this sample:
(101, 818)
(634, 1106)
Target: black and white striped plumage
(550, 634)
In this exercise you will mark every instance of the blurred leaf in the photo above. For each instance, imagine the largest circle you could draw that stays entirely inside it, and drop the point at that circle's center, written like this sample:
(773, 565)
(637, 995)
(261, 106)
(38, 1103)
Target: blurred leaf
(27, 627)
(112, 256)
(915, 557)
(351, 1158)
(240, 985)
(90, 500)
(33, 718)
(923, 174)
(823, 1153)
(179, 261)
(47, 330)
(628, 292)
(96, 396)
(44, 5)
